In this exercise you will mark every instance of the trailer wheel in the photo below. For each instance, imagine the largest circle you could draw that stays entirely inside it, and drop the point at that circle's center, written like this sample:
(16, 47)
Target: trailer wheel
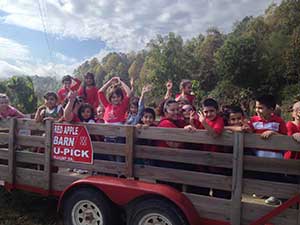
(155, 212)
(88, 207)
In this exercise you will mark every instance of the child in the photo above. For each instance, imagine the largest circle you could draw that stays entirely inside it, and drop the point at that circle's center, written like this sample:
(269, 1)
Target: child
(7, 111)
(136, 108)
(71, 110)
(67, 86)
(236, 120)
(148, 118)
(116, 105)
(266, 123)
(88, 91)
(100, 114)
(210, 120)
(189, 115)
(51, 110)
(186, 90)
(293, 129)
(86, 113)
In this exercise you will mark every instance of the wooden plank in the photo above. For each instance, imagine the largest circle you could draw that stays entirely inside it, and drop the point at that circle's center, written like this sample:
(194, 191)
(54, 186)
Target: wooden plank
(252, 212)
(30, 177)
(183, 177)
(4, 138)
(3, 153)
(181, 135)
(99, 165)
(106, 129)
(47, 155)
(129, 151)
(4, 172)
(31, 141)
(272, 165)
(195, 157)
(29, 124)
(11, 151)
(109, 148)
(275, 142)
(267, 188)
(30, 157)
(4, 124)
(211, 208)
(237, 178)
(60, 182)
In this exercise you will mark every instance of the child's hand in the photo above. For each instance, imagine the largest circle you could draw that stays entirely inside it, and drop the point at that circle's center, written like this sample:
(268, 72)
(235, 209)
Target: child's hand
(296, 137)
(246, 128)
(147, 88)
(42, 107)
(267, 134)
(169, 85)
(190, 128)
(201, 117)
(72, 95)
(131, 82)
(115, 80)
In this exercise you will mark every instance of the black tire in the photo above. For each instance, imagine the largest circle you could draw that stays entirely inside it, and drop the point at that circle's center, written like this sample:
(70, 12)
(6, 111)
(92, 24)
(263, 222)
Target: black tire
(158, 208)
(91, 197)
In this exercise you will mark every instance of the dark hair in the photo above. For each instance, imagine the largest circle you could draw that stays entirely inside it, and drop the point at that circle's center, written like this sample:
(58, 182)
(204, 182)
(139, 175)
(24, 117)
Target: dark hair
(134, 101)
(66, 78)
(84, 107)
(183, 83)
(88, 74)
(235, 109)
(209, 102)
(115, 90)
(167, 103)
(267, 100)
(149, 110)
(49, 94)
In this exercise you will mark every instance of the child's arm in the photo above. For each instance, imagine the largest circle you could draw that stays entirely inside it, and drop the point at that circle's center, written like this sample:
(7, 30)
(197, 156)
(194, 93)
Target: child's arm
(108, 83)
(233, 128)
(209, 129)
(76, 85)
(169, 86)
(126, 89)
(39, 115)
(132, 85)
(68, 112)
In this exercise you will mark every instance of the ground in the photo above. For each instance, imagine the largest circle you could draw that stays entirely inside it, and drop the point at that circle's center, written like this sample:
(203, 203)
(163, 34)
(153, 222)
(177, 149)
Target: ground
(21, 208)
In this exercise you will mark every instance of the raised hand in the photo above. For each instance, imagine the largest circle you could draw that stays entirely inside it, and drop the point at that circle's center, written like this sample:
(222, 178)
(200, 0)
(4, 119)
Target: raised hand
(147, 88)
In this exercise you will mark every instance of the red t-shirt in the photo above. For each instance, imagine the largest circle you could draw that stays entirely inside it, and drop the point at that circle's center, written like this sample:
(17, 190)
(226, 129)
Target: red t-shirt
(275, 123)
(190, 98)
(114, 113)
(217, 125)
(62, 93)
(91, 96)
(292, 129)
(164, 122)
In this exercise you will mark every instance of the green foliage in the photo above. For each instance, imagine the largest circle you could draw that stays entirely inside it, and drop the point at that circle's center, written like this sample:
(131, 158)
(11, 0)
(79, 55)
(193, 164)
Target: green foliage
(21, 93)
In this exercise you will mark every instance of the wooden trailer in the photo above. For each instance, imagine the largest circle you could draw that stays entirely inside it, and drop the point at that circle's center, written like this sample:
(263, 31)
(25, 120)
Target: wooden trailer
(155, 176)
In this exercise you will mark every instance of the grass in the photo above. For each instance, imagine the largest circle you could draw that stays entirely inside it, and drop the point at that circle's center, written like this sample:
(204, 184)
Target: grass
(22, 208)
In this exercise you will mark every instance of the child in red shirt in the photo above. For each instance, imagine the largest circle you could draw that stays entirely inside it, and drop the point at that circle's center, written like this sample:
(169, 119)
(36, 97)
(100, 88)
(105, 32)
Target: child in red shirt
(88, 91)
(117, 104)
(293, 129)
(6, 110)
(67, 86)
(186, 90)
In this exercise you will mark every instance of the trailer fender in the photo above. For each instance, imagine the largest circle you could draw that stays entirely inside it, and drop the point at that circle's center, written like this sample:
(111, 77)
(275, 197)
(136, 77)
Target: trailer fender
(122, 191)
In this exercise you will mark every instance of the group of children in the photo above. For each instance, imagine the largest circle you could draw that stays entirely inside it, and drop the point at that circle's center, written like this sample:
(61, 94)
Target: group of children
(115, 103)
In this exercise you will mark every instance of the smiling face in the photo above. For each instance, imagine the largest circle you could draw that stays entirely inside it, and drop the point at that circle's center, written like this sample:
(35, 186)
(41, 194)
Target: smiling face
(235, 119)
(115, 99)
(100, 112)
(172, 111)
(89, 80)
(67, 84)
(186, 111)
(210, 112)
(3, 103)
(148, 119)
(86, 113)
(51, 102)
(262, 110)
(187, 89)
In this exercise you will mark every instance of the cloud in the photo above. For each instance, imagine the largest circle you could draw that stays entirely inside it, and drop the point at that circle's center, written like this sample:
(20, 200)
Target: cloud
(12, 50)
(126, 25)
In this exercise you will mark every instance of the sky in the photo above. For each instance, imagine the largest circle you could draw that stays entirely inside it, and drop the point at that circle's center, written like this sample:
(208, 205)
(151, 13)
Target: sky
(53, 37)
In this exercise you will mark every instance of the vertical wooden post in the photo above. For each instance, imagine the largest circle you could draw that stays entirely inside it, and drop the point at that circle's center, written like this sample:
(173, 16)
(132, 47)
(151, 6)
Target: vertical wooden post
(47, 162)
(12, 152)
(129, 152)
(237, 179)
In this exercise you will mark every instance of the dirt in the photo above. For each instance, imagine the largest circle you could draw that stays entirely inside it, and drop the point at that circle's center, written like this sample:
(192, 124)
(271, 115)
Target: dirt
(22, 208)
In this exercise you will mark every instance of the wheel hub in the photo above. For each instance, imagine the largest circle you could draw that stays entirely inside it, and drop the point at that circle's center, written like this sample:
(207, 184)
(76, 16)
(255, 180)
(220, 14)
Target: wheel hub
(154, 219)
(86, 212)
